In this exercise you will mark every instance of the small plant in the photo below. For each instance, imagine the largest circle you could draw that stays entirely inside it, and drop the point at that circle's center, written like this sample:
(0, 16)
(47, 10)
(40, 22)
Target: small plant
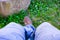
(39, 11)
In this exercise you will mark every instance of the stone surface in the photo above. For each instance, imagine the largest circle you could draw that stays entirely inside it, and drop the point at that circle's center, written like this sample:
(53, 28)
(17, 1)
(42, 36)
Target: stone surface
(8, 7)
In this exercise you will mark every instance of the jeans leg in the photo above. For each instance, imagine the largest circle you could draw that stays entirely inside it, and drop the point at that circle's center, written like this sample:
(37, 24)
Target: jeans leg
(45, 31)
(12, 31)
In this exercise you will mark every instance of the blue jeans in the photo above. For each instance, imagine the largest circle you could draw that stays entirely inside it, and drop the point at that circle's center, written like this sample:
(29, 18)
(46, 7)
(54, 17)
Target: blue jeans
(46, 31)
(14, 31)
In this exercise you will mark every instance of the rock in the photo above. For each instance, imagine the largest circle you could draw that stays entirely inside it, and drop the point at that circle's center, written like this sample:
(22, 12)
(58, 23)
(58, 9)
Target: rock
(8, 7)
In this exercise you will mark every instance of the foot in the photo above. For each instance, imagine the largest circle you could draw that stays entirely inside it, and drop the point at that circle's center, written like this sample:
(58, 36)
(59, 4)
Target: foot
(27, 20)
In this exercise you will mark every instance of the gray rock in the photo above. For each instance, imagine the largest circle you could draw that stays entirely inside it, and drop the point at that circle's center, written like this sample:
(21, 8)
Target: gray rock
(8, 7)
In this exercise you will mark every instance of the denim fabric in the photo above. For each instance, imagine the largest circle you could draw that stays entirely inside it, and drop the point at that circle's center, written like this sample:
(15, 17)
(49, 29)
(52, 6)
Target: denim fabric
(29, 32)
(46, 31)
(14, 31)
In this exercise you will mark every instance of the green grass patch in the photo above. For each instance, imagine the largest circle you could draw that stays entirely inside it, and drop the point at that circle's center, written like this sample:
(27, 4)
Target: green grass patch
(39, 11)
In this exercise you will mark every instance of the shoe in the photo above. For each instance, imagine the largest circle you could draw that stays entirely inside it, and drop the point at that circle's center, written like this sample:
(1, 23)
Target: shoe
(27, 20)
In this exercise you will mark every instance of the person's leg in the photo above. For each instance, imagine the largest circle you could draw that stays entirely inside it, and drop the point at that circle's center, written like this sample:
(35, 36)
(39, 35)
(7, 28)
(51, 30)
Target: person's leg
(45, 31)
(12, 31)
(29, 28)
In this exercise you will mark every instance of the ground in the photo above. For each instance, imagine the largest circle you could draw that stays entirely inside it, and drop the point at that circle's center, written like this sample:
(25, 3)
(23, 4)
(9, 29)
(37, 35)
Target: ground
(39, 11)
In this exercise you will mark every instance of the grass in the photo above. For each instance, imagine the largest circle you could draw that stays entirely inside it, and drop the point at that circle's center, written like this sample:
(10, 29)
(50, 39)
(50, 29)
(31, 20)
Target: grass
(39, 11)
